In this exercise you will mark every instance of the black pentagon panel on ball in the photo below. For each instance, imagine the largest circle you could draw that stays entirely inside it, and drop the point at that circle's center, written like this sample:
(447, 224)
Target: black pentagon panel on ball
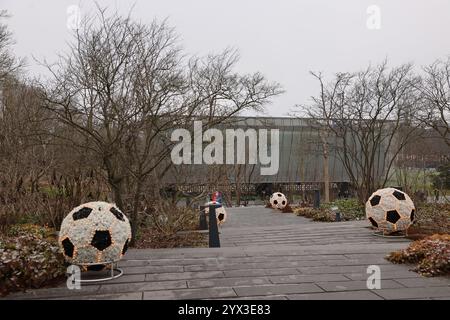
(117, 214)
(375, 200)
(68, 247)
(412, 214)
(125, 247)
(392, 216)
(373, 222)
(82, 213)
(399, 195)
(283, 202)
(279, 195)
(275, 202)
(101, 239)
(221, 216)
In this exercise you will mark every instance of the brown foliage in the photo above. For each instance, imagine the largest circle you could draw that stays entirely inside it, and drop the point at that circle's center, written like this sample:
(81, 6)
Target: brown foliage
(431, 255)
(430, 218)
(169, 226)
(151, 239)
(50, 202)
(322, 214)
(287, 209)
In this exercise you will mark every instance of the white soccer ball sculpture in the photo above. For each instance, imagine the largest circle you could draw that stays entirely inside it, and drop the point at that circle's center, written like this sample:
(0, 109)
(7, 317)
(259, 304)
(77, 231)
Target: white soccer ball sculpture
(221, 215)
(278, 201)
(94, 232)
(390, 210)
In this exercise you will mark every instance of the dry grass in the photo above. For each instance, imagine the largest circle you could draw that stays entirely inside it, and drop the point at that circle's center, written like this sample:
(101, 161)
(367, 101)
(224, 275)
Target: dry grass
(151, 240)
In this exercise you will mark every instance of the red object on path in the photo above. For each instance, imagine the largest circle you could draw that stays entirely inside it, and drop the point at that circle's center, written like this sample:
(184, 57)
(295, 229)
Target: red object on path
(216, 197)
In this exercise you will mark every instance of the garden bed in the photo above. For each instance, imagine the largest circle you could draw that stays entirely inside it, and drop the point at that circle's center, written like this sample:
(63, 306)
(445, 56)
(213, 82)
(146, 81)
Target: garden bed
(349, 209)
(186, 239)
(431, 255)
(170, 226)
(29, 258)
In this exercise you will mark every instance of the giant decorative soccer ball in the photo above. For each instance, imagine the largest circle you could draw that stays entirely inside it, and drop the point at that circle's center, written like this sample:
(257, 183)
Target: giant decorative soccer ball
(221, 214)
(390, 210)
(278, 200)
(94, 232)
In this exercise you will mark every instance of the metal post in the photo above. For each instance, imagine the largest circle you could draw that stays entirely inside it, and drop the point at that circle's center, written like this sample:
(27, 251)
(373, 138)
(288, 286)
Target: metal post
(337, 214)
(214, 241)
(316, 199)
(202, 222)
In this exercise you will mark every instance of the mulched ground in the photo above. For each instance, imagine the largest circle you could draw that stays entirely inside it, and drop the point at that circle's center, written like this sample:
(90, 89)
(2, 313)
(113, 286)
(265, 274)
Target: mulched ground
(150, 240)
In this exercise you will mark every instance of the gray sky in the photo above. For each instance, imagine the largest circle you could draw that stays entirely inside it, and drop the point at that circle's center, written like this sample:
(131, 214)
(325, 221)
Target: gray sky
(283, 39)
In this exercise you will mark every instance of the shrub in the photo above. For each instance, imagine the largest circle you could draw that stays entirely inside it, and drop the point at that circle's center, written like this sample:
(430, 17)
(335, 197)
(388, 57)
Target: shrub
(442, 179)
(150, 239)
(431, 255)
(321, 214)
(431, 218)
(29, 258)
(167, 218)
(168, 226)
(32, 230)
(350, 209)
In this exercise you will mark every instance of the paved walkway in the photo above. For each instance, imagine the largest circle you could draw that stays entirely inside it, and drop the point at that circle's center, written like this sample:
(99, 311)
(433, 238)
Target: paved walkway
(265, 255)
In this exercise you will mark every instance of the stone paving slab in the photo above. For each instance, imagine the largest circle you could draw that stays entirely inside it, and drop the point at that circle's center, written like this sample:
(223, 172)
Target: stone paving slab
(190, 294)
(117, 296)
(277, 289)
(141, 286)
(264, 255)
(259, 272)
(349, 295)
(392, 274)
(228, 282)
(55, 293)
(184, 275)
(354, 285)
(154, 269)
(409, 293)
(274, 297)
(424, 282)
(301, 278)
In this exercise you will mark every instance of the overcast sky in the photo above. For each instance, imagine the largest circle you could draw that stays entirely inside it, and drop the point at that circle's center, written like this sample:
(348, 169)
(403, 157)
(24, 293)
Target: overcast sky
(283, 39)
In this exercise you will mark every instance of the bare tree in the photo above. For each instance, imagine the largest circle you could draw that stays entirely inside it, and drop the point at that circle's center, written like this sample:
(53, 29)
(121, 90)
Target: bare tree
(370, 114)
(330, 99)
(435, 89)
(8, 62)
(124, 86)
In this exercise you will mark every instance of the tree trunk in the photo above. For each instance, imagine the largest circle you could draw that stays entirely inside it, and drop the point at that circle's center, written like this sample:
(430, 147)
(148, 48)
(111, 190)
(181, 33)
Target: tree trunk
(117, 195)
(326, 175)
(134, 217)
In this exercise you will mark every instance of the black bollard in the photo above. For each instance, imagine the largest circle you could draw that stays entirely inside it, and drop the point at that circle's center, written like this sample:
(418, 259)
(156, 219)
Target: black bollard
(316, 199)
(202, 222)
(214, 241)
